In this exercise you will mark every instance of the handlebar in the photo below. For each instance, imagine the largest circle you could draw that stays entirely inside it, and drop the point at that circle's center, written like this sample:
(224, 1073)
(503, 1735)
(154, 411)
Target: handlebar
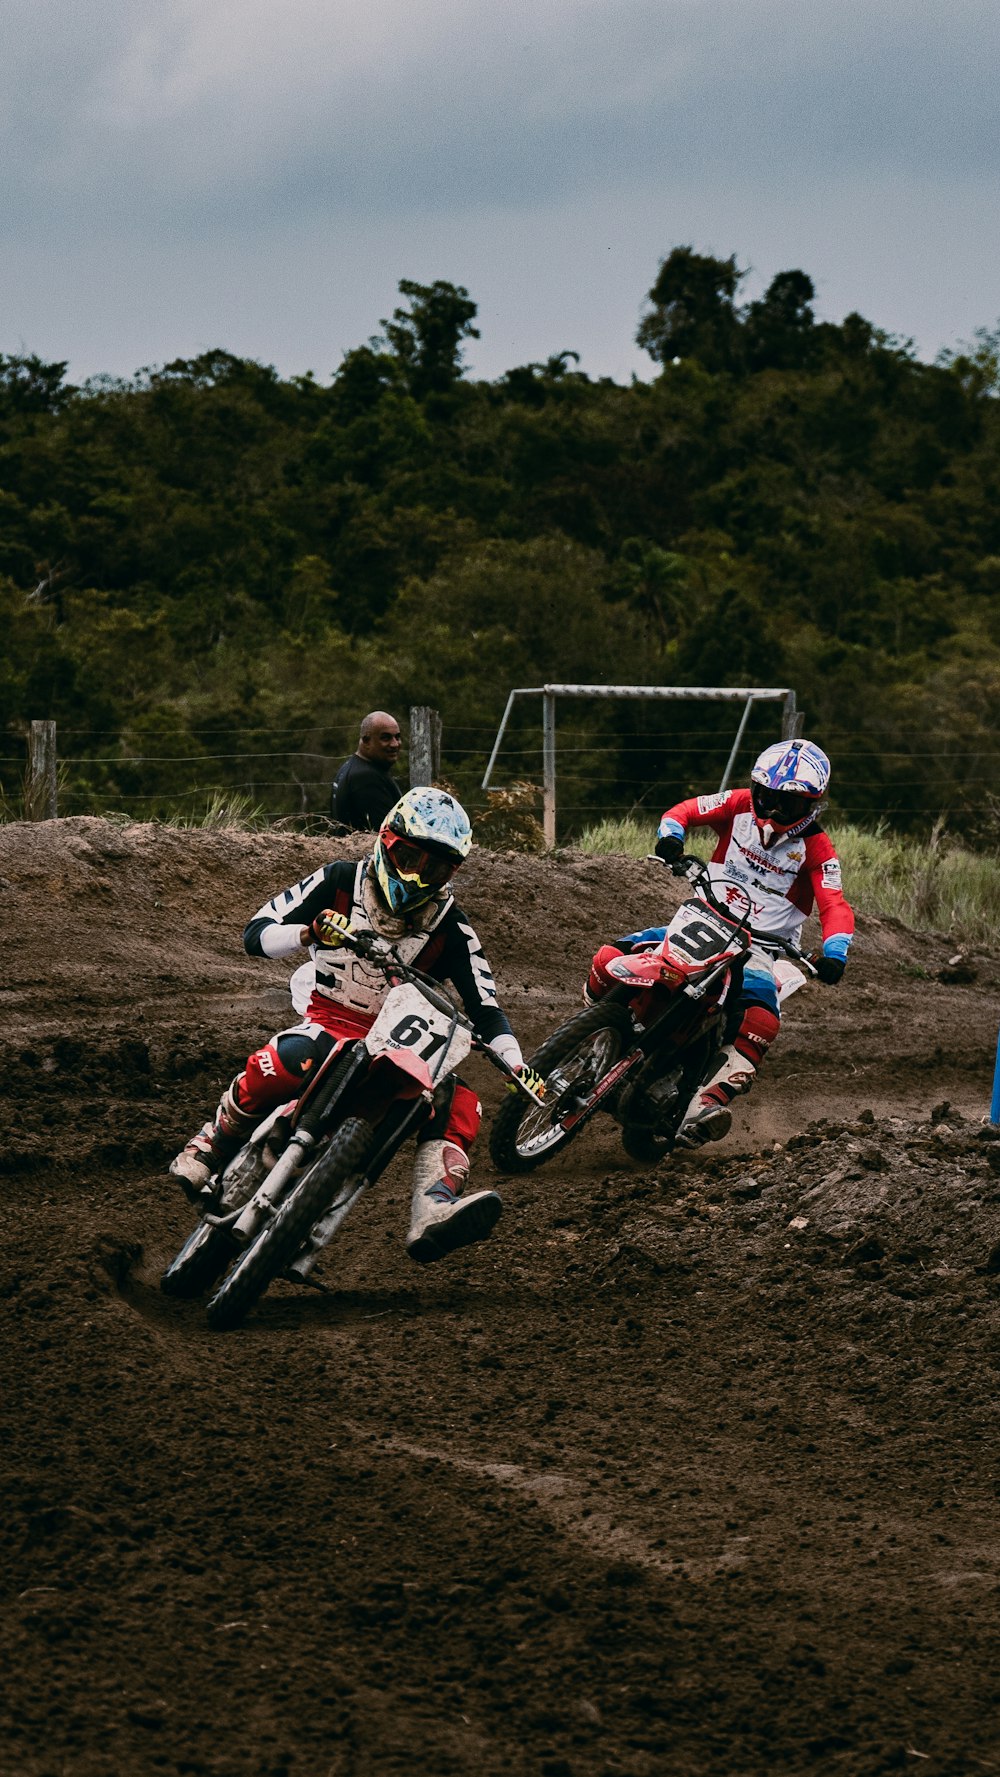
(384, 956)
(695, 871)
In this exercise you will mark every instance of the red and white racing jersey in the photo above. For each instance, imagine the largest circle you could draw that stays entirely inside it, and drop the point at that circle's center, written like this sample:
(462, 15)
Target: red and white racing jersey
(783, 878)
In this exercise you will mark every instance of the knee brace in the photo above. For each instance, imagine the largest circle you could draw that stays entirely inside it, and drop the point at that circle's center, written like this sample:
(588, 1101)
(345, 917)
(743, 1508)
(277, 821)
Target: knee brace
(457, 1115)
(279, 1070)
(758, 1028)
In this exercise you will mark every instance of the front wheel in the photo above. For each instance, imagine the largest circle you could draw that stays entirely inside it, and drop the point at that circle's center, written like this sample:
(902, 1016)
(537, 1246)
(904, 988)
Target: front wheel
(203, 1258)
(572, 1062)
(273, 1249)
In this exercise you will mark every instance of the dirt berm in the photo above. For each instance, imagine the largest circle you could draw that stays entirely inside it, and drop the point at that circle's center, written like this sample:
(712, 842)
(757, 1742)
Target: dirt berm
(687, 1470)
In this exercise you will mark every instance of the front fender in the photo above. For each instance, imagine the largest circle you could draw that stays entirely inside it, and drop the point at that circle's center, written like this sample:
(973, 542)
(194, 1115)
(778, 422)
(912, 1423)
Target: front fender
(640, 973)
(416, 1075)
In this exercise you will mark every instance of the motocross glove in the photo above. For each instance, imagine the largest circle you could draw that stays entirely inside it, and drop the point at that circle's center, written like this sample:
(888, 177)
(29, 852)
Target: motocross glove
(329, 929)
(669, 848)
(829, 969)
(528, 1077)
(831, 961)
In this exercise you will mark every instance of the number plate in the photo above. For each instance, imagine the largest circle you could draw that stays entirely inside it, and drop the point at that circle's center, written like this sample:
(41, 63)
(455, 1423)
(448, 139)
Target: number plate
(409, 1022)
(697, 934)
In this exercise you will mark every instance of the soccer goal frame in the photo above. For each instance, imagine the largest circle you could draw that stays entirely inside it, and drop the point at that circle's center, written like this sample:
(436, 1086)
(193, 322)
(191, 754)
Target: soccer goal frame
(748, 695)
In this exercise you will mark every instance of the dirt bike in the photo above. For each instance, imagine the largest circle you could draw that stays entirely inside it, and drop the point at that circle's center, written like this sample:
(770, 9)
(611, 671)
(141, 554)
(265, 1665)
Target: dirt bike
(642, 1050)
(284, 1195)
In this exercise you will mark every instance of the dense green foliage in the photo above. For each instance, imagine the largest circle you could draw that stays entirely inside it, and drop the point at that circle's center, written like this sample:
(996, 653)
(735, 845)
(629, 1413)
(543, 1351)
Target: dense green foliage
(211, 560)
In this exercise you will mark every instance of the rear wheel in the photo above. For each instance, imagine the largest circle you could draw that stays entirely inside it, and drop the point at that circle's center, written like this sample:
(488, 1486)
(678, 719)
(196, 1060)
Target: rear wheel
(572, 1062)
(653, 1112)
(645, 1145)
(274, 1248)
(203, 1258)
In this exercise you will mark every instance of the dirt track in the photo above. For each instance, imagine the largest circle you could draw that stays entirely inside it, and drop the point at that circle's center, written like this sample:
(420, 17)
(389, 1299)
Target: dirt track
(691, 1470)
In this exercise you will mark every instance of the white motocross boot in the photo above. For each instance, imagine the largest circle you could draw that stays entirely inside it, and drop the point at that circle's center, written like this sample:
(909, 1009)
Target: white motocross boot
(213, 1146)
(708, 1116)
(441, 1218)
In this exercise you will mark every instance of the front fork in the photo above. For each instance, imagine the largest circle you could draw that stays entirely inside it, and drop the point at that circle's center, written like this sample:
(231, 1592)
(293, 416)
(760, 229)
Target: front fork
(245, 1221)
(392, 1133)
(400, 1117)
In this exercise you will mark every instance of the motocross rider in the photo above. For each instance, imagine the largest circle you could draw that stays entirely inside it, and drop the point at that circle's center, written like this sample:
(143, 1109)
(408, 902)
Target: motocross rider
(772, 848)
(400, 893)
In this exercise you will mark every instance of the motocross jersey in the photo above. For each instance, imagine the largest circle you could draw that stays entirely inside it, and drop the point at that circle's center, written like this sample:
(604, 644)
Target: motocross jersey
(783, 878)
(438, 938)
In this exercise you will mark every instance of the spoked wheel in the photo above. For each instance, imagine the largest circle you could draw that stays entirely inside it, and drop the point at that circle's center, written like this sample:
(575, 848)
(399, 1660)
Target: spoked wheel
(209, 1250)
(202, 1259)
(279, 1240)
(572, 1063)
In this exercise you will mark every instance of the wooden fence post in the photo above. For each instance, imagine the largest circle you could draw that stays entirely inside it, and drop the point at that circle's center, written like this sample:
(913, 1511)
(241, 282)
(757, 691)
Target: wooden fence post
(792, 718)
(40, 780)
(425, 746)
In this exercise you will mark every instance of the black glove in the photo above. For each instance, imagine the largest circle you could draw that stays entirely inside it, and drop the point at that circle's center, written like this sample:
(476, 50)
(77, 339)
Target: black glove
(829, 969)
(669, 848)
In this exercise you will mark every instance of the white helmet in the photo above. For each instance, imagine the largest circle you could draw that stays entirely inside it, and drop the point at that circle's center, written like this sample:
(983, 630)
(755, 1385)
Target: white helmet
(420, 845)
(788, 783)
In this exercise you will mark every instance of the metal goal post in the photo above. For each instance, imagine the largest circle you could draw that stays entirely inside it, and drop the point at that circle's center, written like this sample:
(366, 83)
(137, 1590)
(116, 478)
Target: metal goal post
(791, 723)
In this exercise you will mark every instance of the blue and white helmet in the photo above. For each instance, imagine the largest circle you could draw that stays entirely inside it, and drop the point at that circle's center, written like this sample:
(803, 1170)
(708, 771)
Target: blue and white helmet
(788, 783)
(420, 845)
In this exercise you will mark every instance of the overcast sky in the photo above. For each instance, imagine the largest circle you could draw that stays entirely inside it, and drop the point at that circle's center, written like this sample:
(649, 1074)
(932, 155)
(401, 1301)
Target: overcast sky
(259, 174)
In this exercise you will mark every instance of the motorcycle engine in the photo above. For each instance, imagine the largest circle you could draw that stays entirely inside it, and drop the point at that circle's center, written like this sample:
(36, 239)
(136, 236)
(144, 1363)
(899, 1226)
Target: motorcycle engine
(652, 1103)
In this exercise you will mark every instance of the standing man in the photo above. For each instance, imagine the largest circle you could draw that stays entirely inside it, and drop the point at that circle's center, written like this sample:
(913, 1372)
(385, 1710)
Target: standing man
(364, 788)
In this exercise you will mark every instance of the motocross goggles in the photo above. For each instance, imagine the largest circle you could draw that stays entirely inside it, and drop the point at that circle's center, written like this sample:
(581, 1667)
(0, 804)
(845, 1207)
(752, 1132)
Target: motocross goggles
(419, 863)
(783, 808)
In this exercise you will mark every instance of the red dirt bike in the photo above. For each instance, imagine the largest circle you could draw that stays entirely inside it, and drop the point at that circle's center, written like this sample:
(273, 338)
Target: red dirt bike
(283, 1196)
(640, 1053)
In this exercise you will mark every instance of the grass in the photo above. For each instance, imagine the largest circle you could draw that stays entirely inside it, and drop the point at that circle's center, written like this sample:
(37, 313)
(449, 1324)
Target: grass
(930, 884)
(223, 810)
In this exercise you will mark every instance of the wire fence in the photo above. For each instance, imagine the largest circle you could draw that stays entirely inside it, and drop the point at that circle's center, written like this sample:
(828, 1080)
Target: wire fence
(607, 769)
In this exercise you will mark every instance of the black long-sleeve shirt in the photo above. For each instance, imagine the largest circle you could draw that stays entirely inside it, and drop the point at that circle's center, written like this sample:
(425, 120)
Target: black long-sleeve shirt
(362, 795)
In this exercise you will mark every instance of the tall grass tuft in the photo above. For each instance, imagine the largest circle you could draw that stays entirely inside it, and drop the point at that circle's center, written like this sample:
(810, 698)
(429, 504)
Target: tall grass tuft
(930, 884)
(631, 838)
(223, 809)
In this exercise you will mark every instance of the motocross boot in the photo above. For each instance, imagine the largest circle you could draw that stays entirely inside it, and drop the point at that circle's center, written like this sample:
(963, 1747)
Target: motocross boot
(441, 1218)
(213, 1146)
(708, 1116)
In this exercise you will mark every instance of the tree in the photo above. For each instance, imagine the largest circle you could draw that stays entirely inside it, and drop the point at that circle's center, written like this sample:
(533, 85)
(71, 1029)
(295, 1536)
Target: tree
(779, 328)
(977, 366)
(693, 313)
(426, 339)
(29, 386)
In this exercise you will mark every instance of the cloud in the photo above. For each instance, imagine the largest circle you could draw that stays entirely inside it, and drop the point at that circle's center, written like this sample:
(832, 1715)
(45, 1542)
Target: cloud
(179, 114)
(259, 173)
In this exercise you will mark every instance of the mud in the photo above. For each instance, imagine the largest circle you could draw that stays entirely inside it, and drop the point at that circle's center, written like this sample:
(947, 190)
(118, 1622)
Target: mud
(687, 1470)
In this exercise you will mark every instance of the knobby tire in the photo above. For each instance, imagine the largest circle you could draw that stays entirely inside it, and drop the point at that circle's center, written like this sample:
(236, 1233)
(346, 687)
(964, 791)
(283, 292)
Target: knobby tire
(520, 1138)
(202, 1259)
(645, 1145)
(274, 1248)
